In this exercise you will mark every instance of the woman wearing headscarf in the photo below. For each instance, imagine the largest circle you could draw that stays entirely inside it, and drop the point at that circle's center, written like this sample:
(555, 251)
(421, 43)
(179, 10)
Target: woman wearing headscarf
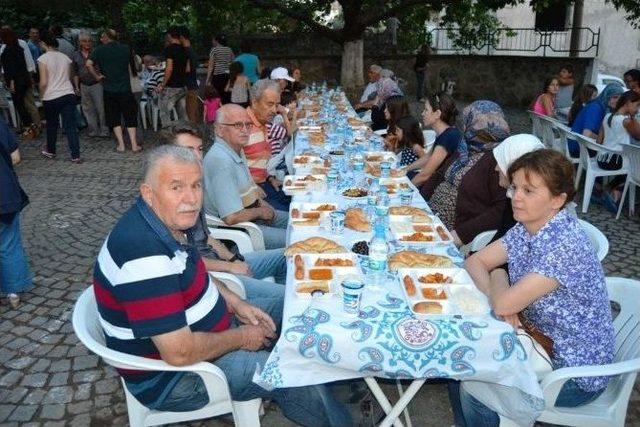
(482, 203)
(386, 87)
(484, 127)
(589, 119)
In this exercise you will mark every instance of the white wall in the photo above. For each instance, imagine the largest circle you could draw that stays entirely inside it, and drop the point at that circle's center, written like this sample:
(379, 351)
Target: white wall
(619, 41)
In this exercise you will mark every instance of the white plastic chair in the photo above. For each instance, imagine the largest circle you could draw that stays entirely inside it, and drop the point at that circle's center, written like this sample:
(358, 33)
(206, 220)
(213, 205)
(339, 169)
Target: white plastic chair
(564, 133)
(610, 409)
(254, 232)
(590, 165)
(232, 282)
(144, 107)
(87, 328)
(597, 238)
(478, 242)
(632, 153)
(7, 105)
(549, 138)
(536, 128)
(239, 237)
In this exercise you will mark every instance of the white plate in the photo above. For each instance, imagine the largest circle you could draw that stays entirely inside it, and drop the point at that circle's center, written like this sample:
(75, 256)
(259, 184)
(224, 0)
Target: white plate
(352, 197)
(469, 300)
(310, 186)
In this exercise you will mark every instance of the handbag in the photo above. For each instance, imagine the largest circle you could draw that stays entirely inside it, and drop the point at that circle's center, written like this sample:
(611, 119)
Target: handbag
(538, 346)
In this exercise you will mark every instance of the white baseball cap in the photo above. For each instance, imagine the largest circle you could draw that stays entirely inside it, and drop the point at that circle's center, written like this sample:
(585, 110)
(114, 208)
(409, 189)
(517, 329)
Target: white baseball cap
(281, 73)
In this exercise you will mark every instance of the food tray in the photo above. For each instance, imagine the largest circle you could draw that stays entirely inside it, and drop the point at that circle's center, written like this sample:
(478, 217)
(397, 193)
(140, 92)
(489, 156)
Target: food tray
(338, 273)
(296, 184)
(386, 155)
(460, 286)
(403, 229)
(429, 219)
(305, 208)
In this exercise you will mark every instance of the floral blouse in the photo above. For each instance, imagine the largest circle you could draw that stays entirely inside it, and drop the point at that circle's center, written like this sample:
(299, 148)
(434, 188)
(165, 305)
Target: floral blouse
(577, 314)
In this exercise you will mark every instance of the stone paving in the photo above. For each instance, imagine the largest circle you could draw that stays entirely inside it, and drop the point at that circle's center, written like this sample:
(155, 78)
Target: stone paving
(48, 378)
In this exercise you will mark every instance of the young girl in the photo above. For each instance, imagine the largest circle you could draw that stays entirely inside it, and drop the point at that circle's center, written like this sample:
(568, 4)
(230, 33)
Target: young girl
(409, 145)
(617, 128)
(238, 85)
(586, 94)
(395, 109)
(545, 104)
(211, 103)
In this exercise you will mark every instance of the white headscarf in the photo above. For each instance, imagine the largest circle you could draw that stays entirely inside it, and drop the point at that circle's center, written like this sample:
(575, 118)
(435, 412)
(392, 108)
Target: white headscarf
(509, 150)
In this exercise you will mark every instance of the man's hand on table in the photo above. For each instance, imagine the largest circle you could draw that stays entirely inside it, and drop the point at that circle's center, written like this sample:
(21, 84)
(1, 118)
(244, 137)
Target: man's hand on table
(241, 268)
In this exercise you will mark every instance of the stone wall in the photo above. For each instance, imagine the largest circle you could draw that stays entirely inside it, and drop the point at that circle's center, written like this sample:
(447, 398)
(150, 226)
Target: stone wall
(508, 80)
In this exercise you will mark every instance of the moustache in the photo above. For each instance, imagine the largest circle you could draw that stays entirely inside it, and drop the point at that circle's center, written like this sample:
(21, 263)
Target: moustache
(188, 208)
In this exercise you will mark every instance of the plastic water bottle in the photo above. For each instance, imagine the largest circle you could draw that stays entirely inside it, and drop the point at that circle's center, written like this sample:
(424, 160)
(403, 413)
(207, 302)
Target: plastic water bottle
(372, 198)
(378, 252)
(382, 204)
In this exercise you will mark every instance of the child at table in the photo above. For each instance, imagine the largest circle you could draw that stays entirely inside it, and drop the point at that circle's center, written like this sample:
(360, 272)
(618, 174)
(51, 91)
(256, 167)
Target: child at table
(408, 144)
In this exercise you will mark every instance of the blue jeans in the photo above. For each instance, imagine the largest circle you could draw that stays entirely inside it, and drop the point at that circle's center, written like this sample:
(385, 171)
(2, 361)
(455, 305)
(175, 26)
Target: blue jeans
(469, 411)
(275, 233)
(15, 275)
(308, 406)
(276, 198)
(65, 106)
(267, 263)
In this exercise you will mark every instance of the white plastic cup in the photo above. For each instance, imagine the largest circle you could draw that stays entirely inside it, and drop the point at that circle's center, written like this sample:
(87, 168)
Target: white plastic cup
(351, 295)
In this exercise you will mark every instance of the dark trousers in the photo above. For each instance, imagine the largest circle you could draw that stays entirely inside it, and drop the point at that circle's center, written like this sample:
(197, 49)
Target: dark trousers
(18, 100)
(276, 198)
(219, 81)
(64, 106)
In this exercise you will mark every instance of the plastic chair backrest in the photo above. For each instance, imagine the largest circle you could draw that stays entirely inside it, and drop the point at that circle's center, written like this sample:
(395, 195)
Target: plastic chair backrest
(564, 132)
(632, 153)
(535, 123)
(546, 129)
(597, 238)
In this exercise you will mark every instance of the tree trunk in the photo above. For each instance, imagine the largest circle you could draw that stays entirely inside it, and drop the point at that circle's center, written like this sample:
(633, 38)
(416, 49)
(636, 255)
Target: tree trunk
(117, 19)
(351, 72)
(575, 31)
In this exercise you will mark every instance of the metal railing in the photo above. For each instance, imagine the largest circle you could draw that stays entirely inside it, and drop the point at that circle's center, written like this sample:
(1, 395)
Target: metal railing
(512, 41)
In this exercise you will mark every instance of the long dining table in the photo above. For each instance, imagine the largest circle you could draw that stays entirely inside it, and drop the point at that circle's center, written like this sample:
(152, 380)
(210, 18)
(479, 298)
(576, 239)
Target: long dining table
(321, 343)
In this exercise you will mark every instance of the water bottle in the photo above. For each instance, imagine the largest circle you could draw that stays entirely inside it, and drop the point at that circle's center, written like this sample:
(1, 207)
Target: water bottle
(378, 252)
(382, 205)
(372, 198)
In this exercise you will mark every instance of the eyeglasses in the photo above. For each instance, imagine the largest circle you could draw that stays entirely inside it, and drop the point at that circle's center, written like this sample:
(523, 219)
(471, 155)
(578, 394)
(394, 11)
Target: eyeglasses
(239, 125)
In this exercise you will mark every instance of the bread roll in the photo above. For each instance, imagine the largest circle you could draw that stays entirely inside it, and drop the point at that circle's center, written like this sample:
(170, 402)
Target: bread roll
(428, 307)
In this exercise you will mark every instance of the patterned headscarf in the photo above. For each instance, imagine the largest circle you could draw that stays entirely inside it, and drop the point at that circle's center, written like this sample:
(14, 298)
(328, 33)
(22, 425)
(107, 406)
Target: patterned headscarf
(386, 88)
(484, 127)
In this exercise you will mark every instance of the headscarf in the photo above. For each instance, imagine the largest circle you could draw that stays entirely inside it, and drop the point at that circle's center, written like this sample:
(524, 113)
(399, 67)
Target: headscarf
(484, 124)
(386, 88)
(484, 127)
(513, 148)
(612, 89)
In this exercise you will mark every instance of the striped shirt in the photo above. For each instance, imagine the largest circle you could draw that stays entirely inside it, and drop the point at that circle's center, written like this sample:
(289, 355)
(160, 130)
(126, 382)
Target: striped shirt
(147, 284)
(257, 150)
(277, 137)
(222, 57)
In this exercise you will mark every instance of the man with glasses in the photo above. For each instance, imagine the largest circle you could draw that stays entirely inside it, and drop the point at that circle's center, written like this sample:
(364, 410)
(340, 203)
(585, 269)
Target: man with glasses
(251, 267)
(230, 191)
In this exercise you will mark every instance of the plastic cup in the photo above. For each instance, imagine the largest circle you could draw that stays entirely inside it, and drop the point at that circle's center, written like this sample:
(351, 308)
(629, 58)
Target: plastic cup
(337, 221)
(406, 196)
(385, 169)
(351, 295)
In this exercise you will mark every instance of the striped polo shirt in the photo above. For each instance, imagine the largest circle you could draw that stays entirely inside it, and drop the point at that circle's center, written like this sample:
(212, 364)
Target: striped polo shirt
(257, 150)
(147, 284)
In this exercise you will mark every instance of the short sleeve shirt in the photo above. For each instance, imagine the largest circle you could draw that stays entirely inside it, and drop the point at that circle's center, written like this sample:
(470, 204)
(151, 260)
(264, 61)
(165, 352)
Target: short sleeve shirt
(58, 67)
(249, 62)
(178, 55)
(228, 186)
(147, 284)
(113, 59)
(577, 314)
(590, 117)
(449, 139)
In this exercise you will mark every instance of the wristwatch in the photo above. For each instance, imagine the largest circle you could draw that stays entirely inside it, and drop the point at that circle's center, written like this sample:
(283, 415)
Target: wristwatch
(234, 258)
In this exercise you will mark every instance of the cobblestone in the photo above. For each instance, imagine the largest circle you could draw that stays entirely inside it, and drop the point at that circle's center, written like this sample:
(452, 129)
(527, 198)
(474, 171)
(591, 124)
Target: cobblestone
(53, 379)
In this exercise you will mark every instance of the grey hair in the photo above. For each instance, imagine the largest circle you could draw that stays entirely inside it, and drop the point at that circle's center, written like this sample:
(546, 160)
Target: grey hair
(174, 152)
(84, 35)
(386, 73)
(375, 68)
(261, 86)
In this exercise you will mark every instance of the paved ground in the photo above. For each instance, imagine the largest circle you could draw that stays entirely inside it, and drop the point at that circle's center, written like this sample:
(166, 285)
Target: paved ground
(47, 377)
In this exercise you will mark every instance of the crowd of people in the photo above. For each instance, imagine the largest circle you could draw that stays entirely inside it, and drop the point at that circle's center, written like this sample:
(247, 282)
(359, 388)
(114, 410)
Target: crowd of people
(154, 296)
(609, 118)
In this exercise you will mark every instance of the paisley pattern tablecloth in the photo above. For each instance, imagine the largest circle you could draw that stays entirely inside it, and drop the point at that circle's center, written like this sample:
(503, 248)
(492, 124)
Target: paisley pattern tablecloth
(320, 343)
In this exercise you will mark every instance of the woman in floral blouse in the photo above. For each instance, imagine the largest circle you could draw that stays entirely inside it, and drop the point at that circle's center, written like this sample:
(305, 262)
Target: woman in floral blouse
(555, 281)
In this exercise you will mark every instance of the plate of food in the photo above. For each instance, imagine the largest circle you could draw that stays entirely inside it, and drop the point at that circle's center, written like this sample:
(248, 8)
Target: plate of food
(421, 234)
(416, 215)
(377, 157)
(413, 259)
(354, 193)
(374, 170)
(296, 184)
(426, 300)
(470, 300)
(319, 211)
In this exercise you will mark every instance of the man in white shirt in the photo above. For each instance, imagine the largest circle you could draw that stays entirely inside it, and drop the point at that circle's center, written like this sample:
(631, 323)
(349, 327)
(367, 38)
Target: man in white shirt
(369, 94)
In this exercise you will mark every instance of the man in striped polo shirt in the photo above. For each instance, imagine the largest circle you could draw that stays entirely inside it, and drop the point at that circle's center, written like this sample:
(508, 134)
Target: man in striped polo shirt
(265, 142)
(156, 300)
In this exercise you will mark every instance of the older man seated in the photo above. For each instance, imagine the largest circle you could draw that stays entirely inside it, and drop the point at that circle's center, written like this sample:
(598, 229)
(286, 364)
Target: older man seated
(249, 267)
(367, 100)
(230, 192)
(156, 300)
(266, 148)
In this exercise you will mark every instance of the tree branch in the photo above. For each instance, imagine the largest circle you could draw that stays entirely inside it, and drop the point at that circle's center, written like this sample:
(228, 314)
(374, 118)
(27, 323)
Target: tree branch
(323, 30)
(375, 15)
